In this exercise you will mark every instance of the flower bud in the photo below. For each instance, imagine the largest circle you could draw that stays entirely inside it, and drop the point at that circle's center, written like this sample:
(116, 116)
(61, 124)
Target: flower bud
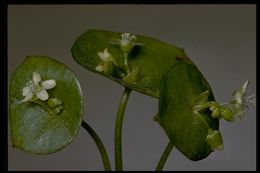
(212, 108)
(215, 113)
(214, 139)
(56, 110)
(53, 102)
(227, 114)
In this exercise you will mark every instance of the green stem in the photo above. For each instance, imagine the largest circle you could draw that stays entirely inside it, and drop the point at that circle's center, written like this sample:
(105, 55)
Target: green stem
(207, 105)
(99, 144)
(126, 63)
(164, 156)
(118, 129)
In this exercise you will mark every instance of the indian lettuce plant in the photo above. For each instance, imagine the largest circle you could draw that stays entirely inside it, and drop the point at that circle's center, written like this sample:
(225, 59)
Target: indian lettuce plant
(46, 103)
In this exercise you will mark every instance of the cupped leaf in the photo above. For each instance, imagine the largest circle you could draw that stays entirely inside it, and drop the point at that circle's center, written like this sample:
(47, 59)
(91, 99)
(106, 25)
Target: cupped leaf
(34, 128)
(154, 56)
(186, 128)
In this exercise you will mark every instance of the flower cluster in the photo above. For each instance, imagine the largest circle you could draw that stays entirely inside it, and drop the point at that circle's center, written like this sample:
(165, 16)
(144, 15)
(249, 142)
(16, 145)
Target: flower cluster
(230, 111)
(214, 139)
(241, 102)
(35, 91)
(109, 66)
(108, 63)
(37, 88)
(235, 109)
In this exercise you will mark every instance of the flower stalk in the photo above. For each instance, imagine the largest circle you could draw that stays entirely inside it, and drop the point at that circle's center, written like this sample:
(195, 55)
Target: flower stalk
(118, 129)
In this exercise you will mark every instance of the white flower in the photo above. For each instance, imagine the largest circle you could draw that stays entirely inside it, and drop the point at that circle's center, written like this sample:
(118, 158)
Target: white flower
(239, 95)
(127, 42)
(99, 68)
(105, 56)
(37, 87)
(108, 63)
(127, 39)
(199, 102)
(240, 101)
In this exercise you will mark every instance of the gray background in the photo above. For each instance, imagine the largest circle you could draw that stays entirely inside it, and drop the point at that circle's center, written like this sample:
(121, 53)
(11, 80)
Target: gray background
(219, 39)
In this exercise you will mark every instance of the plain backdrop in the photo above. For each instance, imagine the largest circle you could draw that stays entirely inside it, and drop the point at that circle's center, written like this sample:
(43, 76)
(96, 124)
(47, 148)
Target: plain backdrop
(219, 39)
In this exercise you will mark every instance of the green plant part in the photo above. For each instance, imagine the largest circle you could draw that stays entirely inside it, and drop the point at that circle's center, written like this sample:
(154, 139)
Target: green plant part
(133, 77)
(44, 122)
(215, 111)
(226, 114)
(233, 110)
(214, 139)
(126, 44)
(240, 102)
(54, 102)
(183, 93)
(155, 58)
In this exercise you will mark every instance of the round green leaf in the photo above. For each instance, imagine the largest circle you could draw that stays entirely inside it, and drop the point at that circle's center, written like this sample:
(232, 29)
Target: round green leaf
(180, 90)
(154, 58)
(33, 128)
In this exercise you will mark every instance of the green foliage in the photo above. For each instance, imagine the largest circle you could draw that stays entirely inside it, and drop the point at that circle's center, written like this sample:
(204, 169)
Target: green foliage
(186, 128)
(35, 126)
(154, 56)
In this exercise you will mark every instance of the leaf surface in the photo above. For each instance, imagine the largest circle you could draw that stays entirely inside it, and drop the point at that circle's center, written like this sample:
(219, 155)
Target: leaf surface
(33, 128)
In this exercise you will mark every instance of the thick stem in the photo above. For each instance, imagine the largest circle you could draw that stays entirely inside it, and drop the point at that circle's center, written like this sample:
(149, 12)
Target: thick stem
(164, 156)
(99, 144)
(118, 129)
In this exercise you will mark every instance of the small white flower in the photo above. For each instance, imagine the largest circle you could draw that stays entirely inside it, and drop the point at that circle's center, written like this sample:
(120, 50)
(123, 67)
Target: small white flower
(127, 42)
(37, 87)
(240, 101)
(108, 63)
(239, 96)
(100, 68)
(127, 39)
(105, 56)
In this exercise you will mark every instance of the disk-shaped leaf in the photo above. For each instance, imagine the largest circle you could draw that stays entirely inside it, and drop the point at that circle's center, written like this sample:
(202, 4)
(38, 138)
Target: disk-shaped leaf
(180, 88)
(33, 128)
(154, 57)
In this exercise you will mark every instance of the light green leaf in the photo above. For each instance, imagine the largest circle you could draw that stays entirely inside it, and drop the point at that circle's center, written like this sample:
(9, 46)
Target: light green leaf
(33, 128)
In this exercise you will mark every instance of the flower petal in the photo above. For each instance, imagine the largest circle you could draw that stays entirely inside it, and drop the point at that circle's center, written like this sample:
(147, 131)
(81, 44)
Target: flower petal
(48, 84)
(27, 90)
(104, 56)
(244, 87)
(99, 68)
(133, 38)
(125, 36)
(36, 78)
(238, 96)
(28, 97)
(43, 95)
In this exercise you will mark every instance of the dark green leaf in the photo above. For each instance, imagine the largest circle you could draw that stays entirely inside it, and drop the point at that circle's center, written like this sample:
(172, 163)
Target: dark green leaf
(186, 129)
